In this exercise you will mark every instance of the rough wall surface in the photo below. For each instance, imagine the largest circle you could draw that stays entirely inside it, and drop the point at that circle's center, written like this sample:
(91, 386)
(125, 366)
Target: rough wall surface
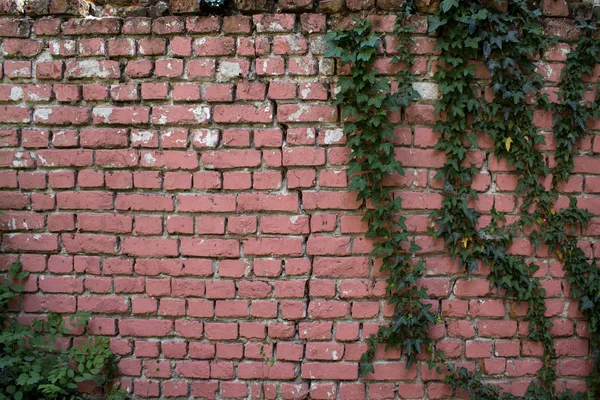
(183, 178)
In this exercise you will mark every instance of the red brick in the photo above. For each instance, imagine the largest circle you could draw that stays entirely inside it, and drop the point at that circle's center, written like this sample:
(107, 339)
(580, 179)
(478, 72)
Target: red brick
(17, 69)
(267, 202)
(61, 115)
(180, 115)
(279, 90)
(168, 68)
(218, 93)
(35, 138)
(200, 68)
(210, 247)
(149, 247)
(139, 68)
(146, 202)
(169, 159)
(243, 114)
(120, 115)
(203, 24)
(254, 289)
(274, 23)
(206, 203)
(46, 26)
(219, 46)
(555, 8)
(342, 371)
(303, 66)
(273, 246)
(218, 236)
(154, 46)
(22, 47)
(89, 244)
(12, 27)
(325, 245)
(183, 6)
(306, 113)
(490, 328)
(51, 284)
(231, 158)
(270, 66)
(102, 304)
(86, 69)
(341, 267)
(85, 200)
(193, 369)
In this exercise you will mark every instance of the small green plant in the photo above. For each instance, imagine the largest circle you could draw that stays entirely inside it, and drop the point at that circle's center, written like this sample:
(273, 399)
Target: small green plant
(472, 383)
(270, 361)
(32, 367)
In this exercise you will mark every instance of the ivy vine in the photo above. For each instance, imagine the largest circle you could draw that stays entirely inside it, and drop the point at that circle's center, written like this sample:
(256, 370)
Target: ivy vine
(366, 101)
(571, 114)
(506, 43)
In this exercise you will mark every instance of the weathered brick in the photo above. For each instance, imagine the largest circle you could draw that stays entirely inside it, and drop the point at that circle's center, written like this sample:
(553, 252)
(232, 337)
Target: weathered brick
(88, 69)
(243, 114)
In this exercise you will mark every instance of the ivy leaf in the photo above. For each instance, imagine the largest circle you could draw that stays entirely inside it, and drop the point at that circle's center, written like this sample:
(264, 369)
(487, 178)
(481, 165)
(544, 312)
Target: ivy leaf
(435, 23)
(365, 368)
(448, 4)
(487, 49)
(586, 303)
(507, 142)
(472, 26)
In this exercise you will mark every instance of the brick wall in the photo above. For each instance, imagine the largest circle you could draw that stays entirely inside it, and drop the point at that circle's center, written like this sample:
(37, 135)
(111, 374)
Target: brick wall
(183, 178)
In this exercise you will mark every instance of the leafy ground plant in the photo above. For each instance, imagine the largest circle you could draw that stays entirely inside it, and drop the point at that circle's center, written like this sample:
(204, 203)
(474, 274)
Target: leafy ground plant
(32, 366)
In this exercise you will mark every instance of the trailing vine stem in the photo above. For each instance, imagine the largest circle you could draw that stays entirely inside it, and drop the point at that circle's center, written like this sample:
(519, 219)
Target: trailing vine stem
(366, 101)
(572, 111)
(505, 43)
(490, 35)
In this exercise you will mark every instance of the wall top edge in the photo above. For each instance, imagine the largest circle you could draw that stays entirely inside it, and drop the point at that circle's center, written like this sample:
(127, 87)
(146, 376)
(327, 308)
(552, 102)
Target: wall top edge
(156, 8)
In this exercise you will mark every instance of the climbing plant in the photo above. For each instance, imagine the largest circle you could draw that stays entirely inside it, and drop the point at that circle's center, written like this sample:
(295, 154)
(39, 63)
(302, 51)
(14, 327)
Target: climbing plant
(367, 100)
(486, 73)
(504, 44)
(572, 111)
(507, 42)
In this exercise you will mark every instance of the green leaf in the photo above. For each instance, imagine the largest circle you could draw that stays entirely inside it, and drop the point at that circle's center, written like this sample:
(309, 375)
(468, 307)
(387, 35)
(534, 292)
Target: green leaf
(447, 5)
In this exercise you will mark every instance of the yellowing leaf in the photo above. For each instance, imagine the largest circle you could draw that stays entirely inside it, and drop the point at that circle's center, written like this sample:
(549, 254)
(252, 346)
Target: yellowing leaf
(552, 210)
(507, 143)
(465, 241)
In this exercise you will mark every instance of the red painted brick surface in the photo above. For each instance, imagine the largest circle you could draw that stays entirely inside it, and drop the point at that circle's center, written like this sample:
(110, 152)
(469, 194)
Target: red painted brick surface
(183, 178)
